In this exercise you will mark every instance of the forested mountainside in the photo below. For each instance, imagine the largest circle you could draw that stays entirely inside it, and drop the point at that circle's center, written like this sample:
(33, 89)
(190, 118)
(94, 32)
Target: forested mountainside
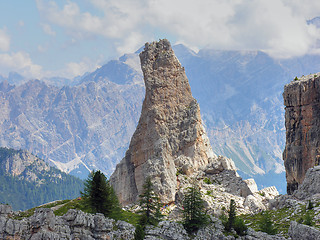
(88, 124)
(27, 181)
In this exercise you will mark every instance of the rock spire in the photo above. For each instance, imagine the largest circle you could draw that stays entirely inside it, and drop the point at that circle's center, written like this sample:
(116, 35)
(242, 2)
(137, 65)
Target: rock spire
(170, 137)
(302, 120)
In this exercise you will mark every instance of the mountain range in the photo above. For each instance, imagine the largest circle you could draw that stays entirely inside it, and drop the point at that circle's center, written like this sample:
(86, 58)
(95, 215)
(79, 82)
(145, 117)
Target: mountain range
(87, 123)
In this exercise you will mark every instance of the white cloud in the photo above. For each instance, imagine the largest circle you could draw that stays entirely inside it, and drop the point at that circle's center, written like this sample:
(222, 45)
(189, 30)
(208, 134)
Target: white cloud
(4, 41)
(19, 62)
(47, 29)
(22, 63)
(276, 26)
(74, 69)
(130, 43)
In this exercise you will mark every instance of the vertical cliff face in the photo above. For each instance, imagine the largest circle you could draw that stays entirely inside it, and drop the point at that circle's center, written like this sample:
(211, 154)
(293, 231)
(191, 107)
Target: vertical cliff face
(169, 137)
(302, 120)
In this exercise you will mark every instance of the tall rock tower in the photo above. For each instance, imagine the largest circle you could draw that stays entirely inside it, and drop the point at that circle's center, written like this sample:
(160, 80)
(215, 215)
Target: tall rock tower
(302, 120)
(169, 137)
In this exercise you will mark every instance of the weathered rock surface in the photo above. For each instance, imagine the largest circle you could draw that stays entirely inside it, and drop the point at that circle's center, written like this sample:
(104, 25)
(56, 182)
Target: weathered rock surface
(214, 231)
(300, 231)
(24, 165)
(166, 230)
(43, 224)
(302, 120)
(169, 137)
(218, 188)
(310, 186)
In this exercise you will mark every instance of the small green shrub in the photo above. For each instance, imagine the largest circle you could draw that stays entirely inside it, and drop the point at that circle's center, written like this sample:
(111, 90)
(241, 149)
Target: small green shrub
(207, 181)
(209, 192)
(296, 78)
(308, 219)
(262, 194)
(240, 227)
(266, 224)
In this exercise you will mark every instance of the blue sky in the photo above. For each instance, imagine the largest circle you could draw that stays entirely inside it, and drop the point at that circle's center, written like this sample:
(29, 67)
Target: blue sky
(67, 38)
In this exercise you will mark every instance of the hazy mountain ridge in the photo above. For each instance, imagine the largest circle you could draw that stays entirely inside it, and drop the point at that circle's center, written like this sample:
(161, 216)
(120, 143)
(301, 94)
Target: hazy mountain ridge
(89, 125)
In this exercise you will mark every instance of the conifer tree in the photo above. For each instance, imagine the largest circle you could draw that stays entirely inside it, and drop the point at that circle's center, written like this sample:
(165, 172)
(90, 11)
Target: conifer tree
(150, 204)
(193, 209)
(233, 221)
(99, 195)
(231, 215)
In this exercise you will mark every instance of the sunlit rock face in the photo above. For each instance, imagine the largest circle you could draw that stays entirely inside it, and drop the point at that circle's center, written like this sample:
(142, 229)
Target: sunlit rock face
(302, 120)
(169, 137)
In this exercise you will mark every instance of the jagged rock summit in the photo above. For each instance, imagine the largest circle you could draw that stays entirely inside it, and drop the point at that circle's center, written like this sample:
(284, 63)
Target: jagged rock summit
(170, 137)
(302, 120)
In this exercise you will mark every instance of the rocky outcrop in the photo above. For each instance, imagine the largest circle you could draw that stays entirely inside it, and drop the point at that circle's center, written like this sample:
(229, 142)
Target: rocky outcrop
(169, 137)
(310, 186)
(43, 224)
(23, 165)
(218, 188)
(302, 121)
(300, 231)
(166, 230)
(215, 230)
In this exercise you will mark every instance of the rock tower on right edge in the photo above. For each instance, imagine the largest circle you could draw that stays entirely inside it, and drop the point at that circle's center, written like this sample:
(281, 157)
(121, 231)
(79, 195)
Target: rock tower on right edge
(302, 121)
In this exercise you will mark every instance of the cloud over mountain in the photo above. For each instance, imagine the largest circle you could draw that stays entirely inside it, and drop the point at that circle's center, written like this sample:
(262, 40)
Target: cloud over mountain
(4, 40)
(277, 27)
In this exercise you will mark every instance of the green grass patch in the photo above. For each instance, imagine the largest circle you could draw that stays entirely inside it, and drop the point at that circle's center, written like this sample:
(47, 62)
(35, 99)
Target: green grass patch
(130, 217)
(77, 204)
(127, 216)
(281, 218)
(54, 204)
